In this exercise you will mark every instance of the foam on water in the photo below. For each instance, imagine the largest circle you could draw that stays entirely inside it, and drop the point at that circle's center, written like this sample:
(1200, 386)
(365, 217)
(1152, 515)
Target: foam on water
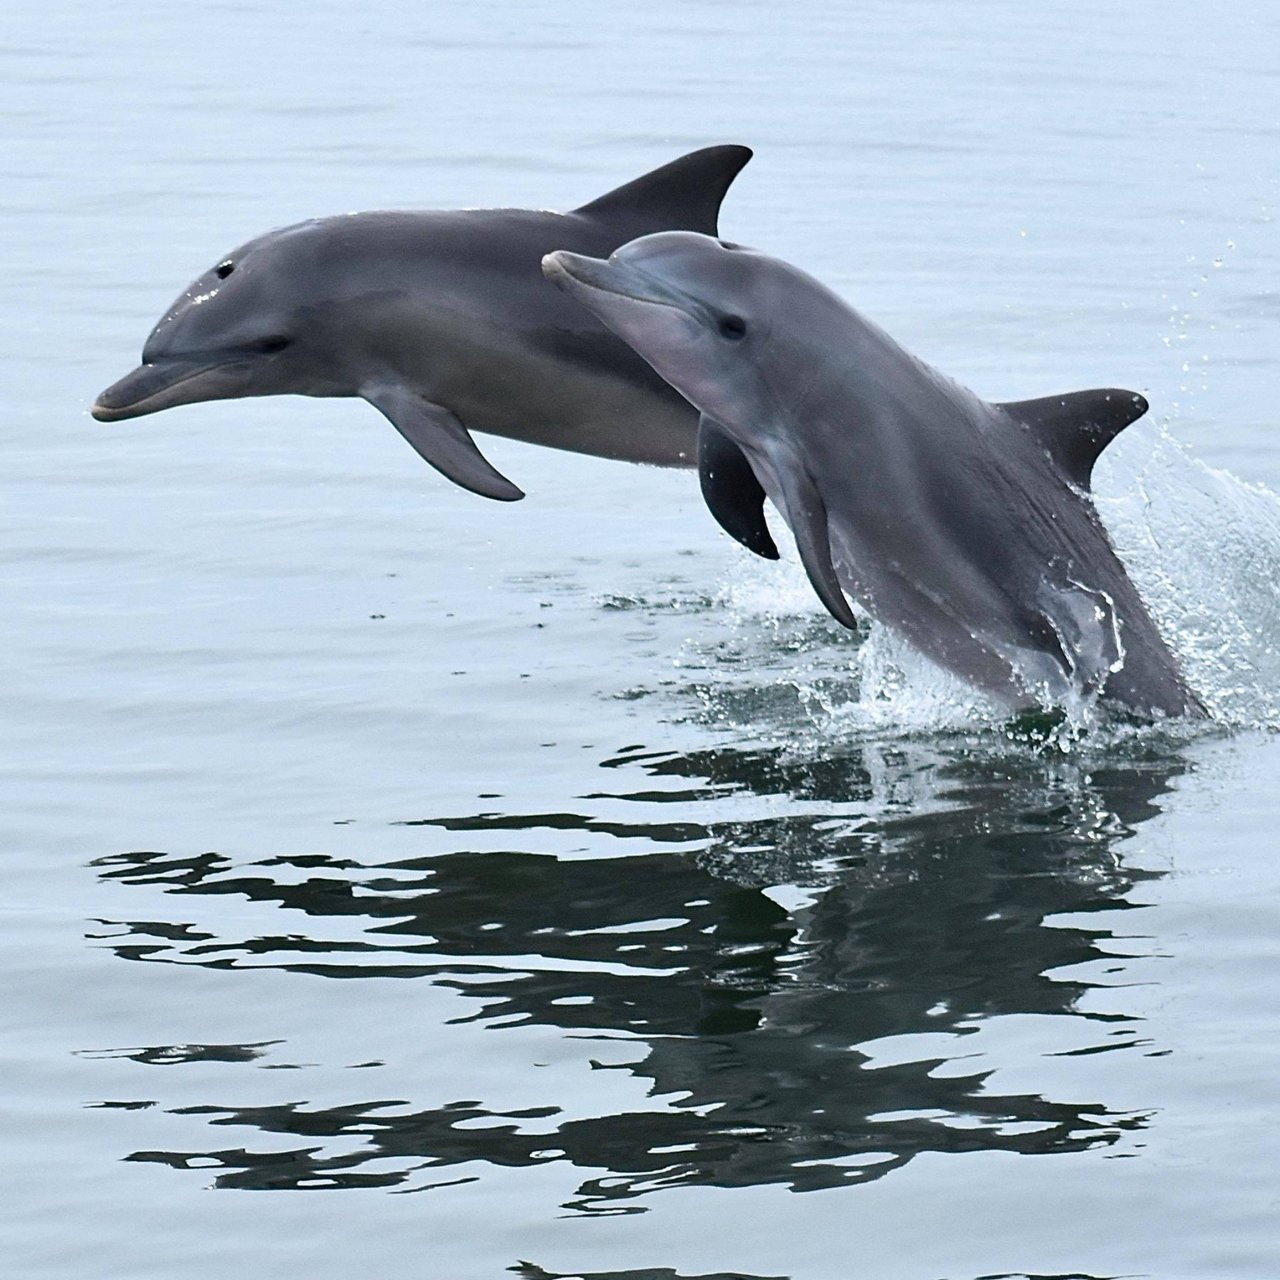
(1202, 546)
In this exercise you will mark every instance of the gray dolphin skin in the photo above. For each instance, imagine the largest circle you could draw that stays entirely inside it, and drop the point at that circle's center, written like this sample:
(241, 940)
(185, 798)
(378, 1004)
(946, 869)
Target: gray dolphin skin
(965, 526)
(443, 322)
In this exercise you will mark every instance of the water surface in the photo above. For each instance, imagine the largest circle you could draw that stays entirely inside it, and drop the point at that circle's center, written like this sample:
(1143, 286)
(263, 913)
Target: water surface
(557, 860)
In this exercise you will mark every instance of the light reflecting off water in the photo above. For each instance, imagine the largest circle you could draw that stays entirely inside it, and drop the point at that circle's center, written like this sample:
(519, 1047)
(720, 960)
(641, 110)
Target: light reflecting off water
(551, 890)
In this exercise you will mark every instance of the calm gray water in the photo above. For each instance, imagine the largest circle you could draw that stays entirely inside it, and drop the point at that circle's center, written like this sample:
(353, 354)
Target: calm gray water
(557, 860)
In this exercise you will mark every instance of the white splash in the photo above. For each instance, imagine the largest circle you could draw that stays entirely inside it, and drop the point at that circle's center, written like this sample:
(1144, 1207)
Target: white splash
(1203, 548)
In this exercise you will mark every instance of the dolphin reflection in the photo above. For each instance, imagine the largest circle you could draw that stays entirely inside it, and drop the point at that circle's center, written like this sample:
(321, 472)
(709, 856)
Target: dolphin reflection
(813, 1046)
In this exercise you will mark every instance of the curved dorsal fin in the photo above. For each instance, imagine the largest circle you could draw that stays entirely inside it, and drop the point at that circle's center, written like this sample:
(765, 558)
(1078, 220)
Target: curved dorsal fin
(684, 195)
(1076, 427)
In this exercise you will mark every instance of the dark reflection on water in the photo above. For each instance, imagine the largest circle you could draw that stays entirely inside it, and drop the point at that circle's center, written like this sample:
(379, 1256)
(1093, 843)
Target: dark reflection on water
(174, 1054)
(812, 1047)
(527, 1271)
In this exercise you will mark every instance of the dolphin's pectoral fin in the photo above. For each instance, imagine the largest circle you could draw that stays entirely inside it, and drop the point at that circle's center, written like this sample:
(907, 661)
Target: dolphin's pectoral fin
(441, 440)
(683, 195)
(1076, 428)
(807, 515)
(731, 491)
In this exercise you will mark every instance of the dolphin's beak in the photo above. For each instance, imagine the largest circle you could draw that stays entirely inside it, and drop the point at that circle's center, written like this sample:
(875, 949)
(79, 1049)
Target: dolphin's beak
(563, 268)
(582, 276)
(166, 383)
(657, 320)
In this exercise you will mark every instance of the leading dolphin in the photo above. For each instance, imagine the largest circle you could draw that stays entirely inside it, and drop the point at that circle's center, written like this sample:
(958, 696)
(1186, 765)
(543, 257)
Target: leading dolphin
(963, 525)
(443, 322)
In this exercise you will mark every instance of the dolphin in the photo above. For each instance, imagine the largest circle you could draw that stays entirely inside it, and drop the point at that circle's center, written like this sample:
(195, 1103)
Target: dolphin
(442, 321)
(963, 525)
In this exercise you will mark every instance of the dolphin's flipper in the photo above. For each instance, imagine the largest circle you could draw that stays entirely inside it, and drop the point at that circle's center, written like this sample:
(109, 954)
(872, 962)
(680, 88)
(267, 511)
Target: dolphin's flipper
(1075, 428)
(731, 491)
(684, 195)
(807, 515)
(441, 440)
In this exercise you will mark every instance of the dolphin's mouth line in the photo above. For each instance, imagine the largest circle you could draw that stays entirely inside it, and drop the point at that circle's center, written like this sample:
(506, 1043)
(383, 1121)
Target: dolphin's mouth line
(558, 267)
(631, 297)
(138, 408)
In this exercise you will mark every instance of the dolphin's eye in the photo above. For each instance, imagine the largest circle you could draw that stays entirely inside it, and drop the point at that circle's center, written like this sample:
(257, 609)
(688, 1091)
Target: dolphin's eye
(733, 327)
(224, 269)
(269, 346)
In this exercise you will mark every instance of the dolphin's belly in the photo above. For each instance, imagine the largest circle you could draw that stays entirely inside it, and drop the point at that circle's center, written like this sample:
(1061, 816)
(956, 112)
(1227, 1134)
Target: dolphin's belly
(899, 586)
(587, 412)
(585, 392)
(928, 615)
(1015, 587)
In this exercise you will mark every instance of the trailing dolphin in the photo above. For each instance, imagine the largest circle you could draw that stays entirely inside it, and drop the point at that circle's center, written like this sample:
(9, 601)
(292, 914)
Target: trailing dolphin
(963, 525)
(443, 322)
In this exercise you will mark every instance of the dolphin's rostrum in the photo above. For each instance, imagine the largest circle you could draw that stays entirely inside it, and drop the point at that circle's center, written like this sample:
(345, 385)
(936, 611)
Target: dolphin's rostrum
(443, 322)
(965, 526)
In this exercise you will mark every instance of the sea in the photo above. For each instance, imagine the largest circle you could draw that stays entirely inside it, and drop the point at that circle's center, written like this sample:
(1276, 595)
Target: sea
(399, 884)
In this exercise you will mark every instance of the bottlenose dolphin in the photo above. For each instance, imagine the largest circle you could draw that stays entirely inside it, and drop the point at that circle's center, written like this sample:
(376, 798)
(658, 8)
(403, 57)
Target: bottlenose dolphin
(443, 322)
(965, 526)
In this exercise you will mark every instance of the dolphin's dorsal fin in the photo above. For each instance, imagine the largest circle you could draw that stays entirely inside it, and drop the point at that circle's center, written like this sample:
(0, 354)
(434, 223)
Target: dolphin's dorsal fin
(440, 439)
(1076, 427)
(684, 195)
(731, 491)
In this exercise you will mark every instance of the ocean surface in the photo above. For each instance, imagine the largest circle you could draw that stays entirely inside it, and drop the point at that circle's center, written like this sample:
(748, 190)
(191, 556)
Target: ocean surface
(395, 883)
